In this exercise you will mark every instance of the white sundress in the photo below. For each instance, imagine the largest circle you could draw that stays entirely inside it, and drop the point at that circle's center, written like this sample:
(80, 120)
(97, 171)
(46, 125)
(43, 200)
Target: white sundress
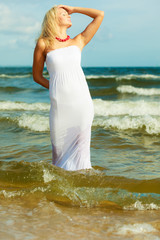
(71, 111)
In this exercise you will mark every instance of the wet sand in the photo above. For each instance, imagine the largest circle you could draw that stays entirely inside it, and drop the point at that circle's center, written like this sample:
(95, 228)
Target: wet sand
(43, 219)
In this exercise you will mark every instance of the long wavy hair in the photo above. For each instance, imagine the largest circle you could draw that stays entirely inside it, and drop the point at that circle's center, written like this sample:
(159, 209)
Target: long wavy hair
(48, 28)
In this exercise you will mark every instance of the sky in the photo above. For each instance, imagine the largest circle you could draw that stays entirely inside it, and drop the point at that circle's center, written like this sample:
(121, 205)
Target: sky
(129, 34)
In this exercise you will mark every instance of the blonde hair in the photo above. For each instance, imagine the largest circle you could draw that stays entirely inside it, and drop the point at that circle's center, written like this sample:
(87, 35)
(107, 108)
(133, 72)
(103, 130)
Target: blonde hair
(48, 28)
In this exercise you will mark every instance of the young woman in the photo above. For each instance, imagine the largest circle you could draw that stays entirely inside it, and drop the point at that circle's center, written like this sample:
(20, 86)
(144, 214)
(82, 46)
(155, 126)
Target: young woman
(71, 111)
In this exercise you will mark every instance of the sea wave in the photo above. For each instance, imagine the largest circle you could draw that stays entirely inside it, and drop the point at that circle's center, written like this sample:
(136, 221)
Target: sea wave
(128, 115)
(18, 75)
(40, 123)
(124, 77)
(91, 76)
(83, 188)
(120, 115)
(130, 108)
(100, 76)
(15, 76)
(148, 124)
(33, 122)
(101, 107)
(9, 106)
(138, 76)
(138, 91)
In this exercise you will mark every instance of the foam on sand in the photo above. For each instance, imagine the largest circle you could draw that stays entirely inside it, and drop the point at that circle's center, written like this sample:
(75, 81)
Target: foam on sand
(137, 228)
(138, 205)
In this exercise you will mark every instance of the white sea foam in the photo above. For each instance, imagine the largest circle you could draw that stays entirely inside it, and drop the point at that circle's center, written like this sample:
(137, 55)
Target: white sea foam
(41, 189)
(15, 76)
(138, 91)
(138, 205)
(34, 122)
(8, 105)
(126, 77)
(47, 176)
(101, 107)
(137, 228)
(137, 76)
(150, 124)
(117, 77)
(131, 108)
(121, 115)
(99, 76)
(7, 194)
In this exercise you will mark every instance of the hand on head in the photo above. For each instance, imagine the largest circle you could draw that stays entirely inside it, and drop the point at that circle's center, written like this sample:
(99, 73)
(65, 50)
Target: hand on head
(69, 9)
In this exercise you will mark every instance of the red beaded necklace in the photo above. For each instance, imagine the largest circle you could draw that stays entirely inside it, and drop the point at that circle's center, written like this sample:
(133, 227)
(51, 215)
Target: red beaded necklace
(63, 40)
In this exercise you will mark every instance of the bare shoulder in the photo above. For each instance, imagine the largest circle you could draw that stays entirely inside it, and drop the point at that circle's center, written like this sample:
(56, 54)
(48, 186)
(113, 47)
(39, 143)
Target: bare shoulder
(40, 46)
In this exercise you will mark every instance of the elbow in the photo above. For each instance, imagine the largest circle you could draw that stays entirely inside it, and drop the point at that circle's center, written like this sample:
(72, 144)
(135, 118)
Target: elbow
(33, 74)
(102, 14)
(35, 78)
(36, 75)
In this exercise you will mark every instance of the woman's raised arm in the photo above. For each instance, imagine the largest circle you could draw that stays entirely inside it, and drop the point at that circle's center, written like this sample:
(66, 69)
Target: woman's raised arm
(97, 15)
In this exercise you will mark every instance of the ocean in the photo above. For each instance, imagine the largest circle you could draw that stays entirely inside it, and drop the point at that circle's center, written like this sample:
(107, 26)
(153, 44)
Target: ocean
(119, 198)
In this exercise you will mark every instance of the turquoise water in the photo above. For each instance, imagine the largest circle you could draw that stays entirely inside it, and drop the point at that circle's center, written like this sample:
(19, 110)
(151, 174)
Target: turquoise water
(125, 154)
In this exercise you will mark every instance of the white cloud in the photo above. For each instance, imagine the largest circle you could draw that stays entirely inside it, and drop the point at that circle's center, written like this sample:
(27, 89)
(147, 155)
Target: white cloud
(4, 17)
(17, 29)
(25, 28)
(11, 23)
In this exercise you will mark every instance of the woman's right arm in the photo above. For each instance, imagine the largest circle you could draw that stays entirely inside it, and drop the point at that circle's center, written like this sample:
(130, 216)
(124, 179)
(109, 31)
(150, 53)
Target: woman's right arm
(38, 64)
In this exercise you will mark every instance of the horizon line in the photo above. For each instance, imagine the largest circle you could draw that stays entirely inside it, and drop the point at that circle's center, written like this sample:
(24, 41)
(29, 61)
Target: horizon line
(29, 66)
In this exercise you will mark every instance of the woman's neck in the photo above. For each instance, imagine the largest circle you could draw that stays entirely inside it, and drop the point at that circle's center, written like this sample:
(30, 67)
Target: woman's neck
(62, 32)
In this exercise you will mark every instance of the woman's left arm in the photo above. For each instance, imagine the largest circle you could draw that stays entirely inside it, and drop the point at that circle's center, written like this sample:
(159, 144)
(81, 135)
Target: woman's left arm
(92, 28)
